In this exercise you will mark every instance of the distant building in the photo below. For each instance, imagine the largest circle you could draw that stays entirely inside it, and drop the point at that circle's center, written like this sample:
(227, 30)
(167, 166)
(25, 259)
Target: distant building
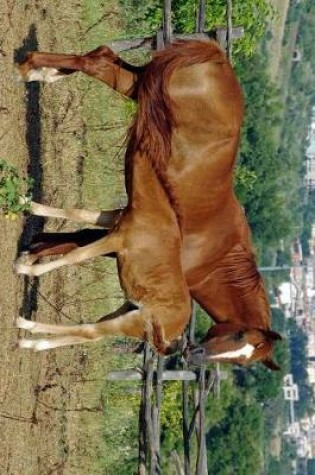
(296, 251)
(290, 389)
(293, 430)
(311, 372)
(310, 155)
(310, 174)
(302, 446)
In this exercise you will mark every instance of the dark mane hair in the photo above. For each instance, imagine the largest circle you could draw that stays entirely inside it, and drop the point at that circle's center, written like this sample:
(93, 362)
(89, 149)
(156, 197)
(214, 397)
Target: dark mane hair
(152, 128)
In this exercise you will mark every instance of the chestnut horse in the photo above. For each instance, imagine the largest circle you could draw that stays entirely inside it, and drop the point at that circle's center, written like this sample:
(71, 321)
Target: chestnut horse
(189, 117)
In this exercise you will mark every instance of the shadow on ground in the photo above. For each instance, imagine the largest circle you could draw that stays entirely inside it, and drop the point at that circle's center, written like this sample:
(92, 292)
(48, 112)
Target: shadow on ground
(32, 224)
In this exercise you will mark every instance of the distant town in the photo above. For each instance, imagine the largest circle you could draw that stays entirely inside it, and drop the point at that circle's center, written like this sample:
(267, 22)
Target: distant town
(296, 298)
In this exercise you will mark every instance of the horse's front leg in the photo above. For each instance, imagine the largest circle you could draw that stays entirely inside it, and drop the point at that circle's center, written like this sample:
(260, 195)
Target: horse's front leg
(52, 244)
(102, 64)
(128, 323)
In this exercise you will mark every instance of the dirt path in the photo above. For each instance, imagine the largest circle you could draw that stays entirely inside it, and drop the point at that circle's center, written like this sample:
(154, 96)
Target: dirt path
(276, 27)
(43, 397)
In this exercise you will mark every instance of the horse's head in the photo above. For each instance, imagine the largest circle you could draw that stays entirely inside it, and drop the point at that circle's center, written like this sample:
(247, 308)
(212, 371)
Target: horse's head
(231, 343)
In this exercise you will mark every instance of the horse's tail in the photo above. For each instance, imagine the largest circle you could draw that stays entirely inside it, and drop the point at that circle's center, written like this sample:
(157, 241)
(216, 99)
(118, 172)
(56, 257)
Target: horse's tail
(151, 131)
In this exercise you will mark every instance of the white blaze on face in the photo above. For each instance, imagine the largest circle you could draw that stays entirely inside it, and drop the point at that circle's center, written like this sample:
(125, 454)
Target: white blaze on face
(245, 351)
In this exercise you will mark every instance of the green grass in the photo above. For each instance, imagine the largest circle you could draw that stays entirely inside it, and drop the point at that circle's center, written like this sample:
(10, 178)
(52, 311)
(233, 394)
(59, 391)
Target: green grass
(109, 436)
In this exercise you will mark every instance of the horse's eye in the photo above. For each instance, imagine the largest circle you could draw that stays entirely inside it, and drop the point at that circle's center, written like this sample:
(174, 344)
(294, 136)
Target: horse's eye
(239, 335)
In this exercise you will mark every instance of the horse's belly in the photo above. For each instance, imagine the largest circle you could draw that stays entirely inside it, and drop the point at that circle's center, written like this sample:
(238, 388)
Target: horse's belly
(148, 273)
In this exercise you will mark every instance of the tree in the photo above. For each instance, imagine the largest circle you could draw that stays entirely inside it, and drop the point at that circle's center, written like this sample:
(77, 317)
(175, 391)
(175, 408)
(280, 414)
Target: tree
(299, 360)
(144, 17)
(234, 445)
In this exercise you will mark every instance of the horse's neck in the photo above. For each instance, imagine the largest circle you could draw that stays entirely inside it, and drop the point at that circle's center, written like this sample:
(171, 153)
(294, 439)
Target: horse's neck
(235, 292)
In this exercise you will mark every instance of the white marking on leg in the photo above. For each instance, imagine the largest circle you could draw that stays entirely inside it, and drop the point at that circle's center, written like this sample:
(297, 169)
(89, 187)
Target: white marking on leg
(44, 74)
(24, 200)
(24, 264)
(21, 268)
(27, 344)
(245, 351)
(38, 345)
(25, 324)
(41, 345)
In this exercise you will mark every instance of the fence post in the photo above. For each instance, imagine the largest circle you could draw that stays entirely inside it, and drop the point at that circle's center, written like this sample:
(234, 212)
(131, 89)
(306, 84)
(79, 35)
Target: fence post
(143, 412)
(201, 465)
(229, 30)
(167, 21)
(185, 409)
(201, 17)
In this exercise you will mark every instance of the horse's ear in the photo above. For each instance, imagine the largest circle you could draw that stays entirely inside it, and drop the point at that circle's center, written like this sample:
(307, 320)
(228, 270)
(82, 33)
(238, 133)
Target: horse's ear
(271, 335)
(271, 364)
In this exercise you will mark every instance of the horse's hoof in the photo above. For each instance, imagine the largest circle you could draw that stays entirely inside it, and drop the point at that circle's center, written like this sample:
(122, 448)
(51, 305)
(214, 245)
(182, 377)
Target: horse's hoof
(24, 324)
(27, 344)
(35, 345)
(21, 268)
(18, 76)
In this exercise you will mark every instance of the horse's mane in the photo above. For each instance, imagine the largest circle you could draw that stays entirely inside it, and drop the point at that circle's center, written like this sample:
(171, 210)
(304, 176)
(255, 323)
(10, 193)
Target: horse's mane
(152, 128)
(238, 271)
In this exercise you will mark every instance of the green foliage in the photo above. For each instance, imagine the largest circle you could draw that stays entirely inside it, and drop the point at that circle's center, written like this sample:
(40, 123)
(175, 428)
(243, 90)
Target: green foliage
(283, 466)
(311, 467)
(245, 180)
(142, 17)
(120, 430)
(129, 108)
(146, 17)
(203, 323)
(260, 382)
(253, 16)
(13, 187)
(298, 342)
(265, 200)
(234, 444)
(297, 116)
(171, 415)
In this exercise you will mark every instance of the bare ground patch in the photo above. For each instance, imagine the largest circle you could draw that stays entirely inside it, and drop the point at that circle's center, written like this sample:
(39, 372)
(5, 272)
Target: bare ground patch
(50, 404)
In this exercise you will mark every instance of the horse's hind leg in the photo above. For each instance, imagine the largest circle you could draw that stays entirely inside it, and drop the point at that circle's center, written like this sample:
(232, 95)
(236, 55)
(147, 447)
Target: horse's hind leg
(105, 218)
(107, 245)
(48, 67)
(102, 64)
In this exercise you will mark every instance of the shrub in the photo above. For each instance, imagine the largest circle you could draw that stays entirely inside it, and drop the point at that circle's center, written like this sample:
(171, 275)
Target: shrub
(15, 191)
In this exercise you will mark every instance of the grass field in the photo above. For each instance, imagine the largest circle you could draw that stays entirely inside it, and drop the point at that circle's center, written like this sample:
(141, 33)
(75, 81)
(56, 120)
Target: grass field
(51, 403)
